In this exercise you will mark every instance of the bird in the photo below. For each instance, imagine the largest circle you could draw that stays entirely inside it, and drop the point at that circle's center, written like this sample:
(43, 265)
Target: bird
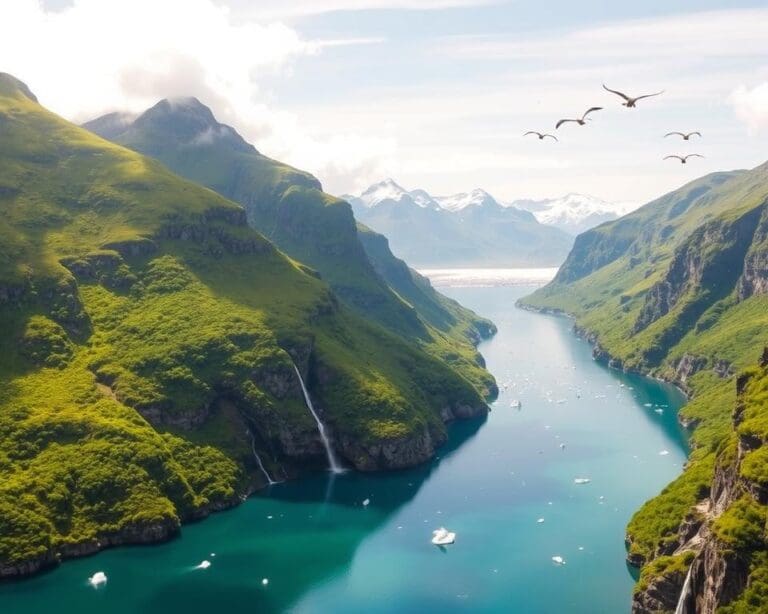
(630, 102)
(684, 159)
(581, 121)
(541, 136)
(686, 135)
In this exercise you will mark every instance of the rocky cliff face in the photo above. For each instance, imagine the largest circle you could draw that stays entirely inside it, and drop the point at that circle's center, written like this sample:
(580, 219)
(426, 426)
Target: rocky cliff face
(726, 532)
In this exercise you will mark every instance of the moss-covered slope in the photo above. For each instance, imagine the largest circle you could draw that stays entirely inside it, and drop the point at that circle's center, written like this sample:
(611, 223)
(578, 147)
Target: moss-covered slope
(289, 207)
(147, 342)
(678, 289)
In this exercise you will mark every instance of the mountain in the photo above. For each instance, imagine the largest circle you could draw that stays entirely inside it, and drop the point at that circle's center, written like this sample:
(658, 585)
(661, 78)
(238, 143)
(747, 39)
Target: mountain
(573, 213)
(468, 229)
(149, 341)
(289, 207)
(679, 289)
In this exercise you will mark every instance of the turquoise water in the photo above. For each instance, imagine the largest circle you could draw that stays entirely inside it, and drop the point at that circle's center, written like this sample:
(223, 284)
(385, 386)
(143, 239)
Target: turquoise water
(323, 551)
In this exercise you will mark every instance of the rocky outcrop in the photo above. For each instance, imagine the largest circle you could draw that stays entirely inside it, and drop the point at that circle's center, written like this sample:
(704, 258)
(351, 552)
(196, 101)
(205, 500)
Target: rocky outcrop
(398, 453)
(754, 279)
(661, 594)
(711, 260)
(720, 571)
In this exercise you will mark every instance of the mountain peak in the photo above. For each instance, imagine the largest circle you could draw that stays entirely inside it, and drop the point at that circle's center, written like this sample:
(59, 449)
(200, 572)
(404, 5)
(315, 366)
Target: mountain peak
(10, 85)
(187, 121)
(476, 198)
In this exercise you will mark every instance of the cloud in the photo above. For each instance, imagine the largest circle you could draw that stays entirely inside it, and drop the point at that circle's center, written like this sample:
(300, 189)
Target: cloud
(88, 57)
(751, 106)
(281, 9)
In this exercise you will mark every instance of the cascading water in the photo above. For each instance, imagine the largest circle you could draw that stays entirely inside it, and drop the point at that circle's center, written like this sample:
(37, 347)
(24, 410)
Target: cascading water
(270, 481)
(332, 461)
(681, 603)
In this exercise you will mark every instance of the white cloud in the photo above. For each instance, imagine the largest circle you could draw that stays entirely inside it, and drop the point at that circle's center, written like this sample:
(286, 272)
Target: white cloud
(751, 105)
(298, 8)
(96, 56)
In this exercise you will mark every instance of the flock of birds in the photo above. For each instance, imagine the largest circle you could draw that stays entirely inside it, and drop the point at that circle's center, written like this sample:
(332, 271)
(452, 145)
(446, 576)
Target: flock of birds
(630, 102)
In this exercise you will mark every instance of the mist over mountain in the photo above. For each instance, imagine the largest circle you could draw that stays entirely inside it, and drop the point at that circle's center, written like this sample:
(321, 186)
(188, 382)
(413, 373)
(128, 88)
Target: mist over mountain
(574, 213)
(466, 229)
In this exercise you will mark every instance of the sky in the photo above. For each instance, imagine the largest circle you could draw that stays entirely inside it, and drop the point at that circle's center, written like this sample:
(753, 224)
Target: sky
(434, 93)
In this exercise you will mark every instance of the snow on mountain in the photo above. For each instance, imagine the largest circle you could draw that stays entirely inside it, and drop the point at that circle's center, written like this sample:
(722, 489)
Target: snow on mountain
(459, 202)
(574, 213)
(388, 190)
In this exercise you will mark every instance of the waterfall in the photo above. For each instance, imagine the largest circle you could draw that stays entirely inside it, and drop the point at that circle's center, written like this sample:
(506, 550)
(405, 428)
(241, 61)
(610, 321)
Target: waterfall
(270, 481)
(684, 594)
(332, 461)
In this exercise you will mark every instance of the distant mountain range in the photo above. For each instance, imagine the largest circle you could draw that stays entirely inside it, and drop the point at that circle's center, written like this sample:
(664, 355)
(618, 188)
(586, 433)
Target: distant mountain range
(466, 229)
(574, 213)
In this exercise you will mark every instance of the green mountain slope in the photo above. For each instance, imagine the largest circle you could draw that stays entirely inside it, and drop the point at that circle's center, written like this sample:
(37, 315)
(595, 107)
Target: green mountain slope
(289, 207)
(679, 290)
(147, 346)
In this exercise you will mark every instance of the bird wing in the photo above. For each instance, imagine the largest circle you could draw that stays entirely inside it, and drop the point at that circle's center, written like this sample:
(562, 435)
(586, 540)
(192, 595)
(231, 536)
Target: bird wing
(648, 95)
(564, 121)
(624, 96)
(668, 157)
(671, 133)
(693, 156)
(532, 132)
(694, 132)
(551, 136)
(590, 110)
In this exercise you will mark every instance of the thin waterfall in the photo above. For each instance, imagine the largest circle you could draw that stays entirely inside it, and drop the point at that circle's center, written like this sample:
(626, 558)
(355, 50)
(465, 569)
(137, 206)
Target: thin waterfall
(270, 481)
(684, 594)
(332, 461)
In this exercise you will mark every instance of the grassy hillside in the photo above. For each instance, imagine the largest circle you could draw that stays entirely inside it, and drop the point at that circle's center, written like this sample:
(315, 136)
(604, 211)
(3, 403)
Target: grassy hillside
(147, 341)
(679, 289)
(289, 207)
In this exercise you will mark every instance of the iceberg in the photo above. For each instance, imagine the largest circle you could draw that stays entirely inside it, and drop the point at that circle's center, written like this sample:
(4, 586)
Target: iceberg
(443, 537)
(97, 579)
(203, 565)
(558, 560)
(581, 480)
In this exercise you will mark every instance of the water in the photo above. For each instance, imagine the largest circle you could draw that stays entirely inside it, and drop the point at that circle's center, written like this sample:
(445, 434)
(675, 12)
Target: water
(684, 593)
(323, 551)
(333, 462)
(262, 468)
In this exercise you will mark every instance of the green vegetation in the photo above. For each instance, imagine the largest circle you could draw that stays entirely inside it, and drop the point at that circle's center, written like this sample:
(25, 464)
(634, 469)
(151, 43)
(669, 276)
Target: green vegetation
(677, 290)
(289, 207)
(146, 343)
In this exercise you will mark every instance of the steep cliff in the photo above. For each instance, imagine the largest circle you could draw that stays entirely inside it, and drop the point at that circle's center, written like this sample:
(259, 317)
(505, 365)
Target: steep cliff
(148, 338)
(289, 207)
(677, 290)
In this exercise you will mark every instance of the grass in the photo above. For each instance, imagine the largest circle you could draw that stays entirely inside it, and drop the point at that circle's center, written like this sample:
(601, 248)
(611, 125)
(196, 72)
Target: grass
(144, 327)
(660, 285)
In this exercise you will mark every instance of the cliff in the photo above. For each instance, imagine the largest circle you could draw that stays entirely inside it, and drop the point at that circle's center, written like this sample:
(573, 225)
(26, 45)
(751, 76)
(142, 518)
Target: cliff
(677, 290)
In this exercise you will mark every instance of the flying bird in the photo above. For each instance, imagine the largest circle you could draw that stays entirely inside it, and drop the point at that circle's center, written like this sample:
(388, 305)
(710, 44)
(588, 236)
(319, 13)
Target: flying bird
(685, 135)
(541, 136)
(629, 101)
(684, 159)
(581, 121)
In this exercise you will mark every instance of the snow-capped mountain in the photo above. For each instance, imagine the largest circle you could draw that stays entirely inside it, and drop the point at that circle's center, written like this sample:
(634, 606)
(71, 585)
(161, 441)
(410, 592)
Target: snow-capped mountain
(388, 191)
(459, 202)
(574, 213)
(466, 229)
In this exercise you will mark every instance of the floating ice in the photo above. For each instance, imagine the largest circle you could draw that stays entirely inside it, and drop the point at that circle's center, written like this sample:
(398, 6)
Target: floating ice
(540, 520)
(663, 452)
(558, 560)
(581, 480)
(97, 579)
(443, 537)
(264, 581)
(203, 565)
(366, 502)
(658, 410)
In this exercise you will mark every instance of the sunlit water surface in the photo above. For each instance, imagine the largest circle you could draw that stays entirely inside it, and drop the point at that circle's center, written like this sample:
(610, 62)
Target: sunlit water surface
(321, 550)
